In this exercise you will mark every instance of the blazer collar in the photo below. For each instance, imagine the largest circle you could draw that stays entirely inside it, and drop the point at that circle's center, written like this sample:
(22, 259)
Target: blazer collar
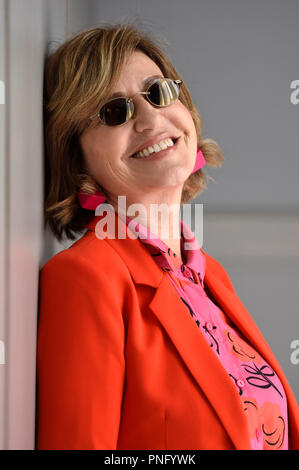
(193, 348)
(149, 274)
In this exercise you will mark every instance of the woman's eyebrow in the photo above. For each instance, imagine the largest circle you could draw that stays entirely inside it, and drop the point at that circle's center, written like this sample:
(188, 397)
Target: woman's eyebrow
(117, 94)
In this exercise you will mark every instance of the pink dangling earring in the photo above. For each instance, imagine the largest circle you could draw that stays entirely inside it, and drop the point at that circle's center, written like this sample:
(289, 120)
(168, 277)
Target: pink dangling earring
(91, 202)
(199, 162)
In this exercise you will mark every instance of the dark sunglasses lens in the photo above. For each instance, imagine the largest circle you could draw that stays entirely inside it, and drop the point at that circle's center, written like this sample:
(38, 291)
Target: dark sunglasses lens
(163, 92)
(115, 112)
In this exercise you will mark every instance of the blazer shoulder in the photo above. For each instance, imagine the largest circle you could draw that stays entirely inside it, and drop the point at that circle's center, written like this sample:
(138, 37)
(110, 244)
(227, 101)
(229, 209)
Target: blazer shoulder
(88, 254)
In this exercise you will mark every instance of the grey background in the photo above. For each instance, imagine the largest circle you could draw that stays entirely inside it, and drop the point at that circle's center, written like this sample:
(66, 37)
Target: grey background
(238, 59)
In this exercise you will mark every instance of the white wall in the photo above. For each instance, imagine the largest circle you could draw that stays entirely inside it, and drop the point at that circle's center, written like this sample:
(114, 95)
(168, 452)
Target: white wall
(21, 214)
(21, 217)
(3, 212)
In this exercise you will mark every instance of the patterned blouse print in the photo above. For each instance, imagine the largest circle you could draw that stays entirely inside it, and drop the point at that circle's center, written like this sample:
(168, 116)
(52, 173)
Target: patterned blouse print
(260, 390)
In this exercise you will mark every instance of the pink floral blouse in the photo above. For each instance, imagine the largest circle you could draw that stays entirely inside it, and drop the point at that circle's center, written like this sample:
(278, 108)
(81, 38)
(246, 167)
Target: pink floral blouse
(261, 392)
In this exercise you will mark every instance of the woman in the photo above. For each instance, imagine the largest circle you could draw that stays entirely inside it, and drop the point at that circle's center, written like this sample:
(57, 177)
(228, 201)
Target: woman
(142, 340)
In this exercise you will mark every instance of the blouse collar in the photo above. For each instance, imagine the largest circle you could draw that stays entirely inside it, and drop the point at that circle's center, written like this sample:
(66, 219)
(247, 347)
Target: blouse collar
(164, 255)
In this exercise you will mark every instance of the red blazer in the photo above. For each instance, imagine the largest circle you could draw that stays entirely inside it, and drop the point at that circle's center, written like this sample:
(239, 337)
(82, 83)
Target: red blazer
(121, 364)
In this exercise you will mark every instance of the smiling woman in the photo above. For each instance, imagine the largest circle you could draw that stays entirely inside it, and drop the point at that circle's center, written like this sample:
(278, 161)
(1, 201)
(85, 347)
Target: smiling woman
(143, 342)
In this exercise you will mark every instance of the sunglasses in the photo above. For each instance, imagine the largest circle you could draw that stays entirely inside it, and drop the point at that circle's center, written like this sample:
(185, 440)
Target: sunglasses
(161, 92)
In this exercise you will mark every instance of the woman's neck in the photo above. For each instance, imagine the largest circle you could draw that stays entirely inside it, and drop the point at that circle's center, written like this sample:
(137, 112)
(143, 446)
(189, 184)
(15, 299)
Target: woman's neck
(167, 228)
(160, 218)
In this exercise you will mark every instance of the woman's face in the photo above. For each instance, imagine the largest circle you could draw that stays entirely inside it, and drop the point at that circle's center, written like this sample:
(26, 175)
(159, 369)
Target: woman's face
(108, 150)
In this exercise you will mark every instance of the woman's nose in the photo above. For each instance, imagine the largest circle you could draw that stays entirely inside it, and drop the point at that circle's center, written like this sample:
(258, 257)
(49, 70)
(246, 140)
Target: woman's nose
(145, 114)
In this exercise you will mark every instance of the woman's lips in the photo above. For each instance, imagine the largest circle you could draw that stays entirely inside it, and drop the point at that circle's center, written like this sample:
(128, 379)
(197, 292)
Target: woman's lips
(157, 155)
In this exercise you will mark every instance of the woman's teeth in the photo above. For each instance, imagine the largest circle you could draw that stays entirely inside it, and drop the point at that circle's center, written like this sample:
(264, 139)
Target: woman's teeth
(155, 148)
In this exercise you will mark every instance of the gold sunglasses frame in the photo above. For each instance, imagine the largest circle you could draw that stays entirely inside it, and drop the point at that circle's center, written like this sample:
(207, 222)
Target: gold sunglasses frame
(130, 102)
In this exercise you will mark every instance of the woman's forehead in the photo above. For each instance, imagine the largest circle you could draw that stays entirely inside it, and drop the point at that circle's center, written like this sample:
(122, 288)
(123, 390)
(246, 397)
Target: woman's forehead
(144, 82)
(138, 68)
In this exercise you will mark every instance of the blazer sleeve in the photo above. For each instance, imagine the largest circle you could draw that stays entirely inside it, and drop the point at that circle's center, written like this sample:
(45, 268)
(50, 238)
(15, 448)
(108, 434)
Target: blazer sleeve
(80, 356)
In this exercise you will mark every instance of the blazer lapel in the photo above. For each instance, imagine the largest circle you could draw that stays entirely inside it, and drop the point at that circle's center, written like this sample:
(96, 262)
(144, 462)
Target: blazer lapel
(237, 313)
(201, 362)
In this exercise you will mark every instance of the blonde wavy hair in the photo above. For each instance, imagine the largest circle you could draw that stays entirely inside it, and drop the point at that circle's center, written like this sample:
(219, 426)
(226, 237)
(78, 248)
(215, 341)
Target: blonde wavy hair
(78, 76)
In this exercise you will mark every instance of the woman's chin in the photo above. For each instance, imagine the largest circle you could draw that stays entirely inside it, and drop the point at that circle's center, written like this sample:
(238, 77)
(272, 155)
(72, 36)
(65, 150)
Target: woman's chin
(171, 179)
